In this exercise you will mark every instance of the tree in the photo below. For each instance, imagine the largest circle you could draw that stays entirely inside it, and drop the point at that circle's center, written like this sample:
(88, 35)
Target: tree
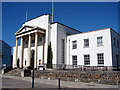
(49, 56)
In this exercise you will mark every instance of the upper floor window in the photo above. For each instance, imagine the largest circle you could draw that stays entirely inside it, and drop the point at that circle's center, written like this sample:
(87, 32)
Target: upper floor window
(99, 41)
(74, 43)
(87, 59)
(100, 58)
(114, 42)
(74, 60)
(118, 43)
(86, 42)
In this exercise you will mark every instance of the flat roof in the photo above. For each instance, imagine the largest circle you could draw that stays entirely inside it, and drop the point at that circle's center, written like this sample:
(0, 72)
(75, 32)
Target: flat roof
(67, 26)
(91, 31)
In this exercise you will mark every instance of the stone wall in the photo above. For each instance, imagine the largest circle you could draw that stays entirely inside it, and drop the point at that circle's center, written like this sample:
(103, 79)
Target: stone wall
(103, 77)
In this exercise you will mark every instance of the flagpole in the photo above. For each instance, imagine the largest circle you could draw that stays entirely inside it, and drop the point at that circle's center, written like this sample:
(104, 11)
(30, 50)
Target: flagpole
(26, 16)
(52, 10)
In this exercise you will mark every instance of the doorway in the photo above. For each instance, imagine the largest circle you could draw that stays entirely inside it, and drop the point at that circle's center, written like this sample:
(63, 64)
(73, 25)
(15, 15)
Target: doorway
(18, 63)
(32, 58)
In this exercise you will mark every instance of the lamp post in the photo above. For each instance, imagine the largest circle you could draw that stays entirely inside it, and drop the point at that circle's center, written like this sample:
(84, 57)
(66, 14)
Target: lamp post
(33, 69)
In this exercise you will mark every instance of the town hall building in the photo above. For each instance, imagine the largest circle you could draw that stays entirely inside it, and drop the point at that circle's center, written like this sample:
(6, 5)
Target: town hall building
(70, 47)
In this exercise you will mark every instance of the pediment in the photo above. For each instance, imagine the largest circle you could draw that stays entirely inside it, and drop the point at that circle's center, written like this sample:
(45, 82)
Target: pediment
(26, 29)
(23, 29)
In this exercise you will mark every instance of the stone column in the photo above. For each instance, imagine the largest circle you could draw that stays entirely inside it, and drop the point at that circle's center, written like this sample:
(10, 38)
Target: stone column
(36, 44)
(21, 54)
(16, 53)
(29, 51)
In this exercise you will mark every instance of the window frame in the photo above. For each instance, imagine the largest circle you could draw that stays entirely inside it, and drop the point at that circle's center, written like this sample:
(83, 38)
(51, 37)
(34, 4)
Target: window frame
(85, 43)
(100, 59)
(114, 42)
(74, 59)
(117, 43)
(87, 59)
(100, 41)
(74, 44)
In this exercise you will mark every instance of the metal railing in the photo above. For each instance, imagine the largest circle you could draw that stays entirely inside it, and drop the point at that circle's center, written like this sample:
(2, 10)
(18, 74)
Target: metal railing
(85, 68)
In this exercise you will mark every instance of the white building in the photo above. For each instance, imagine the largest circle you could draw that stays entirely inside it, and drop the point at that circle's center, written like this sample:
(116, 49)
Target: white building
(69, 46)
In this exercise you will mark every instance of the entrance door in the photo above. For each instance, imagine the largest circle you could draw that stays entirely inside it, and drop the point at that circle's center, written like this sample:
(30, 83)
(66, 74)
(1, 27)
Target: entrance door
(18, 63)
(32, 58)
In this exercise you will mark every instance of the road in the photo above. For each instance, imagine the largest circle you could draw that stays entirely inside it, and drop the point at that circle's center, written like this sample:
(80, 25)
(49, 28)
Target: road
(14, 83)
(19, 84)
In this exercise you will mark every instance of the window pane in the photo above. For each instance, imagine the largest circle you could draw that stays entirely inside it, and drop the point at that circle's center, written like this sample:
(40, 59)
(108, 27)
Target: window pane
(87, 59)
(86, 42)
(99, 41)
(74, 44)
(74, 60)
(100, 58)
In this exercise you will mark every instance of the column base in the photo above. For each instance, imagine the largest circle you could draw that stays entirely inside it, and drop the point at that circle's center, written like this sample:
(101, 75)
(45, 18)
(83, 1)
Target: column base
(15, 68)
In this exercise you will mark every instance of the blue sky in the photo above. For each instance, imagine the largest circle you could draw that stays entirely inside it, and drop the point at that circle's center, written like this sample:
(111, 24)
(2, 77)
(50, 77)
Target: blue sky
(84, 17)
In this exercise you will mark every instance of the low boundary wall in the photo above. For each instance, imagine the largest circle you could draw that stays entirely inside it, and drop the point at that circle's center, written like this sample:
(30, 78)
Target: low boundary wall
(103, 77)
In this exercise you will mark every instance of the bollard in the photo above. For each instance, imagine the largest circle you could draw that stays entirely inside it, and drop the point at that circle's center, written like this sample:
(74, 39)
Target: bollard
(59, 83)
(33, 79)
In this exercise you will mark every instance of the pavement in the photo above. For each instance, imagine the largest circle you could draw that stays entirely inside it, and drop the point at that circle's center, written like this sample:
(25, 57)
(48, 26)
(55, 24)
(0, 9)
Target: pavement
(21, 83)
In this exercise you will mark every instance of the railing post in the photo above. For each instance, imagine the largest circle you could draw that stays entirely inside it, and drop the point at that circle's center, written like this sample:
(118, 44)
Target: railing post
(59, 83)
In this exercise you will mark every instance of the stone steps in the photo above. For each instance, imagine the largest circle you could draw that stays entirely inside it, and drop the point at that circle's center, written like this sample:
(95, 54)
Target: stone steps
(15, 72)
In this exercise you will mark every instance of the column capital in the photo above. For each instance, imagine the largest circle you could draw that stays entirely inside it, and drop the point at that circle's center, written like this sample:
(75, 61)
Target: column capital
(17, 38)
(30, 34)
(21, 37)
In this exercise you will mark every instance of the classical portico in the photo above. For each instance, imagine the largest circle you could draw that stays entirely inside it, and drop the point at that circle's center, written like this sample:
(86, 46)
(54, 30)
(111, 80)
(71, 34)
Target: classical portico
(30, 38)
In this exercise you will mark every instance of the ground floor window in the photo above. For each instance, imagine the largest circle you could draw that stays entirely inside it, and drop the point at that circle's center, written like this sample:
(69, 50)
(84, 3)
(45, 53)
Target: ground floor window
(100, 58)
(74, 60)
(87, 59)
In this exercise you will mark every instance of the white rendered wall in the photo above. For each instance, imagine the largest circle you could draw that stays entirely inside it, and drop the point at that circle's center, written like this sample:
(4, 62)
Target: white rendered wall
(62, 32)
(54, 42)
(115, 49)
(18, 55)
(93, 48)
(13, 63)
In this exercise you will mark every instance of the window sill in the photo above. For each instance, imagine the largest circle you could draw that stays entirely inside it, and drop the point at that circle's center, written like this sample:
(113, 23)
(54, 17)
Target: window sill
(99, 45)
(86, 47)
(74, 48)
(87, 65)
(102, 65)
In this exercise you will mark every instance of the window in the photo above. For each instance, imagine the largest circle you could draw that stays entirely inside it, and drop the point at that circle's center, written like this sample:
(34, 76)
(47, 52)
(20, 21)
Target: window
(33, 41)
(74, 44)
(74, 60)
(63, 51)
(114, 42)
(40, 39)
(86, 42)
(26, 42)
(99, 41)
(118, 43)
(87, 59)
(100, 58)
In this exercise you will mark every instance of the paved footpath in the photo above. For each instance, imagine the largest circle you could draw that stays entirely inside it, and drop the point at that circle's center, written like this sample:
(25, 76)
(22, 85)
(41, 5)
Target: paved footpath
(64, 84)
